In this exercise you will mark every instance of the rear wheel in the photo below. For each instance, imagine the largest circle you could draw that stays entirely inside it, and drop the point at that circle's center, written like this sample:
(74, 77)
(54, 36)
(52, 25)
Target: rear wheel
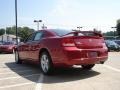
(46, 63)
(17, 59)
(88, 67)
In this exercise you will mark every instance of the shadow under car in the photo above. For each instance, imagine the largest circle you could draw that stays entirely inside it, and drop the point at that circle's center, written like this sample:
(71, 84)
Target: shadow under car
(59, 75)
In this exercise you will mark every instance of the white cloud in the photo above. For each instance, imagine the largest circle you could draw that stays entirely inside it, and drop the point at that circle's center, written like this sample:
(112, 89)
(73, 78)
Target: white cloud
(60, 8)
(69, 13)
(61, 12)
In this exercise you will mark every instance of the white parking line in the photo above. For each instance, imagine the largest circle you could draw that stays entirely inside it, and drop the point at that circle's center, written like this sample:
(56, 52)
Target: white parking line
(20, 76)
(9, 86)
(39, 83)
(16, 72)
(111, 68)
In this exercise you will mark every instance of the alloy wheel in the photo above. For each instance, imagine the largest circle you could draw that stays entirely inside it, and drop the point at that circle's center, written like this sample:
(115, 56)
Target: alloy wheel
(44, 63)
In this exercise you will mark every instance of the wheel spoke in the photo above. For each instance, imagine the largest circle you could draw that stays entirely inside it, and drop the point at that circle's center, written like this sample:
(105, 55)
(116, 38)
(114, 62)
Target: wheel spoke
(43, 66)
(44, 63)
(46, 66)
(44, 57)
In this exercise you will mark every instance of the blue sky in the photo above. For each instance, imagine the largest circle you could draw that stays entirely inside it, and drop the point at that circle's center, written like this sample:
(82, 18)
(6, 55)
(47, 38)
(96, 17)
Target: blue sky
(100, 14)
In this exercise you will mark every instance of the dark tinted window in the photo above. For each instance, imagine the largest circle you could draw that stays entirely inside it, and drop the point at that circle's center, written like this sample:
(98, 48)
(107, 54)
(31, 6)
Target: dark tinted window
(38, 36)
(61, 32)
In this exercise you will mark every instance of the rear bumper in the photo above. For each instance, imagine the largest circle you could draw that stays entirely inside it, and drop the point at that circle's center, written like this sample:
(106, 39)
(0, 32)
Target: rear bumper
(75, 56)
(83, 61)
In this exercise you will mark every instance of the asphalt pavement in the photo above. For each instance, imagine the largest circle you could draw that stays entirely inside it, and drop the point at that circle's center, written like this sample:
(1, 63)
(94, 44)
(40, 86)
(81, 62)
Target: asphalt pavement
(29, 77)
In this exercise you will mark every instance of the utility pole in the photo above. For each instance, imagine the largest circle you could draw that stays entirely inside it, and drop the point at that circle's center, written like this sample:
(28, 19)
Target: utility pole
(37, 21)
(16, 22)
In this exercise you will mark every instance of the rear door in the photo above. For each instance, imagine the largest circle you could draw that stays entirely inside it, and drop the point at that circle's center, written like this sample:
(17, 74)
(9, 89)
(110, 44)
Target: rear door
(35, 46)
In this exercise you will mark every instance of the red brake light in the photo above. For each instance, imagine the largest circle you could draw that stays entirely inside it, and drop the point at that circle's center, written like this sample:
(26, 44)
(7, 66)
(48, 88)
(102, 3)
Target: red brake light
(68, 42)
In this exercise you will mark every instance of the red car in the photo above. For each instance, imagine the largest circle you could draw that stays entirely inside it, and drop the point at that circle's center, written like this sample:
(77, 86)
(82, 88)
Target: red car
(63, 48)
(7, 47)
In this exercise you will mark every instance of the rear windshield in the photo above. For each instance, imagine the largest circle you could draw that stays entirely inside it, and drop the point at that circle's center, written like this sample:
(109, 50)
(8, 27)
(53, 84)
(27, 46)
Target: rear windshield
(61, 32)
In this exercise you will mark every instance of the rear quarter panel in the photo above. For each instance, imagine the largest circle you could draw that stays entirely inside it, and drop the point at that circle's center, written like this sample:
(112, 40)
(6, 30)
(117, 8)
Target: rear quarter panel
(54, 47)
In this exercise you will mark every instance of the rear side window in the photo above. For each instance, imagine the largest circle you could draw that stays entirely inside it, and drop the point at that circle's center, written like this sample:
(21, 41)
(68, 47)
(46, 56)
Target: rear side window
(38, 36)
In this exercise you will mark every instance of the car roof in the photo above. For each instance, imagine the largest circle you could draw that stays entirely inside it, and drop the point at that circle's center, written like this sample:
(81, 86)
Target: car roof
(55, 31)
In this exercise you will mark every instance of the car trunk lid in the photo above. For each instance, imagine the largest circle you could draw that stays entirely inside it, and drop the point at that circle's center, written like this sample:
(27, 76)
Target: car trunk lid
(88, 42)
(83, 40)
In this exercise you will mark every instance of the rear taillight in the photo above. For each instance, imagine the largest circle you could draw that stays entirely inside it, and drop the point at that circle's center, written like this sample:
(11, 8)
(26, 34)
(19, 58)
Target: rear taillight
(68, 42)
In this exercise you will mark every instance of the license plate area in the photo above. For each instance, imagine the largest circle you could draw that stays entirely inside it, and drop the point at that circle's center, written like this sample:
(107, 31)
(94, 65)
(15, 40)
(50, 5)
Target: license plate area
(92, 54)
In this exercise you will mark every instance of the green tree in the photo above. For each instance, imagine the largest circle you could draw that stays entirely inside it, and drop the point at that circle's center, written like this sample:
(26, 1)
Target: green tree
(11, 30)
(118, 27)
(25, 32)
(2, 31)
(8, 30)
(110, 33)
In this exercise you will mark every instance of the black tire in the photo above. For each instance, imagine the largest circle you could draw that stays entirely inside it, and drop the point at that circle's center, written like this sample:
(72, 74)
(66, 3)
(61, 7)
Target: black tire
(117, 50)
(17, 59)
(46, 64)
(88, 67)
